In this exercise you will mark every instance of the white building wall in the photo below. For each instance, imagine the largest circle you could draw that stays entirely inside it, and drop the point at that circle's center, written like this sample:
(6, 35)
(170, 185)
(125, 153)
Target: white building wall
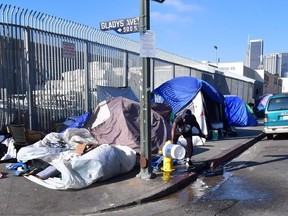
(235, 67)
(240, 69)
(284, 85)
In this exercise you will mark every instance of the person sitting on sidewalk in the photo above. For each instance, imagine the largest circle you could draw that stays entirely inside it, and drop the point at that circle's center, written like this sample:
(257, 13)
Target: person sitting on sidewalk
(182, 125)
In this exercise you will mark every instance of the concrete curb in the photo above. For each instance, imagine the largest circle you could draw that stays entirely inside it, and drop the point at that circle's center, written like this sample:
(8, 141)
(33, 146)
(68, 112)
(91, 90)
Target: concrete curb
(234, 151)
(177, 182)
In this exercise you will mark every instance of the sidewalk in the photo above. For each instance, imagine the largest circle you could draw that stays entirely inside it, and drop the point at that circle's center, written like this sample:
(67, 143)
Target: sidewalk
(20, 196)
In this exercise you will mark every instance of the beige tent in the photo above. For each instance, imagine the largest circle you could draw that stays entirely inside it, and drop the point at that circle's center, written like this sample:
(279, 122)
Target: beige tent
(117, 122)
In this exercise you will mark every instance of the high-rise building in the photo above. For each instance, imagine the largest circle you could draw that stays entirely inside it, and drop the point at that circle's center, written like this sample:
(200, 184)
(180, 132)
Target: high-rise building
(277, 63)
(255, 54)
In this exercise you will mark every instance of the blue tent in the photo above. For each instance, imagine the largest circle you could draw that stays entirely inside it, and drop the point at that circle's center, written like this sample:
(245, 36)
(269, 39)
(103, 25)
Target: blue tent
(236, 112)
(180, 92)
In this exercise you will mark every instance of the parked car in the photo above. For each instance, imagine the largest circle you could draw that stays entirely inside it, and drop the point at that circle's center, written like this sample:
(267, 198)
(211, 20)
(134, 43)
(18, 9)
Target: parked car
(276, 115)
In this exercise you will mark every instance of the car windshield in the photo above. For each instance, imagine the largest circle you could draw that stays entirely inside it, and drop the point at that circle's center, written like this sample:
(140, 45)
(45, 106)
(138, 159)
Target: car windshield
(278, 104)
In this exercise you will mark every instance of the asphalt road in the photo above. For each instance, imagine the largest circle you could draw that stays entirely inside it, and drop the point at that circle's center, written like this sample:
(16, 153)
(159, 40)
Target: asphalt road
(255, 184)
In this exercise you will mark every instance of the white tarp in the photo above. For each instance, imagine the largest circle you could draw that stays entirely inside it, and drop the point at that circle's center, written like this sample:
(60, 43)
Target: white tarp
(78, 171)
(197, 109)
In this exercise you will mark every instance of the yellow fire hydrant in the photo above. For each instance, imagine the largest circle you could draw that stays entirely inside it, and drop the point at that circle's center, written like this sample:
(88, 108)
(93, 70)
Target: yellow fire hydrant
(171, 152)
(167, 168)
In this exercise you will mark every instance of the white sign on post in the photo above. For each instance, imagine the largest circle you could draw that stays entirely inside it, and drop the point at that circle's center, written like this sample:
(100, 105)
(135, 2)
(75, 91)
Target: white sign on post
(147, 44)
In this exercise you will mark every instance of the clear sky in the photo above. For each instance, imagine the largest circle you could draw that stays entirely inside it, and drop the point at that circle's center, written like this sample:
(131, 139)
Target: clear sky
(189, 28)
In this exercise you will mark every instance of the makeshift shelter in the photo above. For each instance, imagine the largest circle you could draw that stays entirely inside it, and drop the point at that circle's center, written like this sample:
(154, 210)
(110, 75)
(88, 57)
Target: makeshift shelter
(237, 113)
(250, 110)
(205, 102)
(114, 127)
(117, 122)
(260, 104)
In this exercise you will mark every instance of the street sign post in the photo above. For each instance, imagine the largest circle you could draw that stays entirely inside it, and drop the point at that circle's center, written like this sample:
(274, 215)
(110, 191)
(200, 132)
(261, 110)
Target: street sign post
(121, 26)
(131, 25)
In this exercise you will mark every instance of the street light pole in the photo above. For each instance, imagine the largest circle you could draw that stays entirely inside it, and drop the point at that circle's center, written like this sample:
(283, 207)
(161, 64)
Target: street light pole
(216, 48)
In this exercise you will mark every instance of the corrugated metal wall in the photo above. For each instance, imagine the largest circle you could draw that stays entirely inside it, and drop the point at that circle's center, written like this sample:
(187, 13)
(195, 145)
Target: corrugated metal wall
(50, 68)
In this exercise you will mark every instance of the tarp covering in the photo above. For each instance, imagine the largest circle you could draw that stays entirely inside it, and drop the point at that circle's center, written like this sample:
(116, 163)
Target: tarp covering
(180, 91)
(77, 171)
(163, 109)
(260, 104)
(236, 112)
(250, 110)
(117, 122)
(106, 93)
(79, 122)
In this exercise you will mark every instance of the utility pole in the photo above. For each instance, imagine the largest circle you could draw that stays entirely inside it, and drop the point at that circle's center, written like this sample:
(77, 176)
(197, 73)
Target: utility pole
(145, 108)
(145, 88)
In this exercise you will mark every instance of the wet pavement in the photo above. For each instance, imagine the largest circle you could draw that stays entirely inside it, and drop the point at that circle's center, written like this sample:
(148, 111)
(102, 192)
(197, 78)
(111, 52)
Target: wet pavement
(20, 196)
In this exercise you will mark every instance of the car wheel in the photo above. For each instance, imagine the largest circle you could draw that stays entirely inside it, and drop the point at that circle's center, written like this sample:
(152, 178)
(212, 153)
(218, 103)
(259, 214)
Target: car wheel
(269, 136)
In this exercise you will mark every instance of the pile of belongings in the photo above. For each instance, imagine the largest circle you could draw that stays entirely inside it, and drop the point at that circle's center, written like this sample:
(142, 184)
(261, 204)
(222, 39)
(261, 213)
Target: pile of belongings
(95, 147)
(75, 160)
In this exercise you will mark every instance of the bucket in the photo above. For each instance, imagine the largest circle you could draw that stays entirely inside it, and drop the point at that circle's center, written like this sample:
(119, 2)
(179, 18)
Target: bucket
(214, 135)
(182, 141)
(174, 151)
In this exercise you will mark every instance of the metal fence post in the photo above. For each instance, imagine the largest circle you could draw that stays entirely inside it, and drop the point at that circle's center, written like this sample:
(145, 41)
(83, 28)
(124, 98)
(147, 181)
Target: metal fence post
(28, 80)
(86, 78)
